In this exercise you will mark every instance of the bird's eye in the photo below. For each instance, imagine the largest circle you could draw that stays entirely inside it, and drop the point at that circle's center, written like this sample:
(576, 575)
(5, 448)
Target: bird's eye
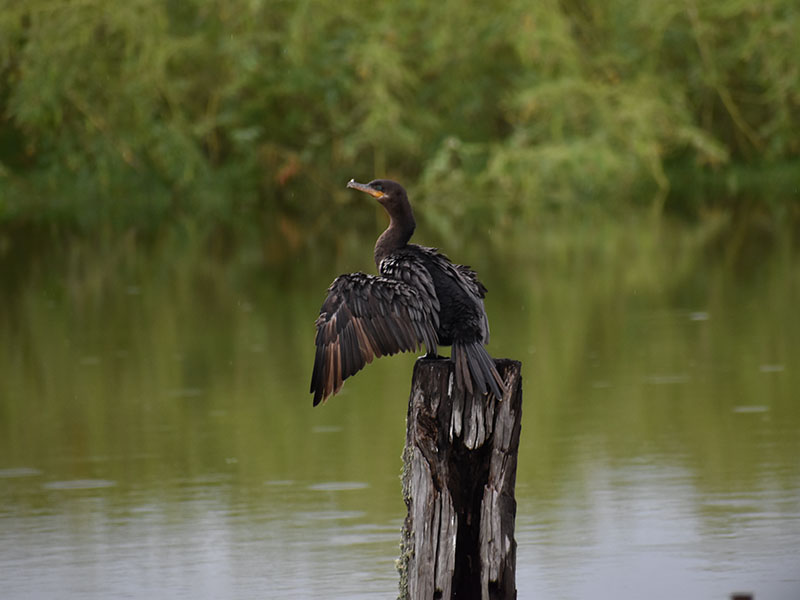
(378, 187)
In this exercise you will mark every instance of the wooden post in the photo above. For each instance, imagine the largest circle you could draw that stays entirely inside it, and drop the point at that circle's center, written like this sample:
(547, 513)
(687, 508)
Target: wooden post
(459, 471)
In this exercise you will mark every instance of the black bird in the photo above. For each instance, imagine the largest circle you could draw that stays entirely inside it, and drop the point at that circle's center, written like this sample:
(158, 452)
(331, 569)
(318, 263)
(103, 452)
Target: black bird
(420, 298)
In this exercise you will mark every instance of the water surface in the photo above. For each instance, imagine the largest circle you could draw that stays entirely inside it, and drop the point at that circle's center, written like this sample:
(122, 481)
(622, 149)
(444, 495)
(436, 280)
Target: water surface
(157, 439)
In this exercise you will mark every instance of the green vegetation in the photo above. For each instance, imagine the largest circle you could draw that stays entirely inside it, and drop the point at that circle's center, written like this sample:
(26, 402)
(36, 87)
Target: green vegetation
(249, 115)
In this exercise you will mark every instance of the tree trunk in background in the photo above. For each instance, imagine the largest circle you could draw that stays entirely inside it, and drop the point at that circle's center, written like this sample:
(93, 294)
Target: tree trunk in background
(459, 471)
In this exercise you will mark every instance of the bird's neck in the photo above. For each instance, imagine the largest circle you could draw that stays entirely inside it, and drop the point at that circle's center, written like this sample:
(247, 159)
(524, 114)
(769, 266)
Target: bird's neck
(396, 236)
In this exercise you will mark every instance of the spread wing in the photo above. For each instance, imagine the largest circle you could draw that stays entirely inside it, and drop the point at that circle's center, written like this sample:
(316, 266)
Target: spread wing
(478, 292)
(366, 316)
(465, 279)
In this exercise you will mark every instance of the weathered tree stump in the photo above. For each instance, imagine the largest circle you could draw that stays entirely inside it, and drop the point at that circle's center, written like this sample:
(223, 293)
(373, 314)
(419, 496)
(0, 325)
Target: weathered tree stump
(459, 471)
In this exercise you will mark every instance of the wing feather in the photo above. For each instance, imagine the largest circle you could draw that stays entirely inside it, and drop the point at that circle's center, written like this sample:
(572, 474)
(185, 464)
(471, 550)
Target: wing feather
(364, 317)
(467, 279)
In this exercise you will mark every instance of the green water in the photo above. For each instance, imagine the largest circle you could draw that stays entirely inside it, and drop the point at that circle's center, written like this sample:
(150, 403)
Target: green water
(157, 439)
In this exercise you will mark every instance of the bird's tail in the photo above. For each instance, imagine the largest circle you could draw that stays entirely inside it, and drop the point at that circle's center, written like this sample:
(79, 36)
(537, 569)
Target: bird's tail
(475, 369)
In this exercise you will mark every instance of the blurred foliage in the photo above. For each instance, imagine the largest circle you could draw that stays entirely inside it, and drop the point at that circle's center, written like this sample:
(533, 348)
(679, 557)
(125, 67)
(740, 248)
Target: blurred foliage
(250, 115)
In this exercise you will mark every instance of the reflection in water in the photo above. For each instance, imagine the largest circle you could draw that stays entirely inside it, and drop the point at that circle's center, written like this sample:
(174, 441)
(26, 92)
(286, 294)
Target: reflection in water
(197, 544)
(645, 530)
(157, 438)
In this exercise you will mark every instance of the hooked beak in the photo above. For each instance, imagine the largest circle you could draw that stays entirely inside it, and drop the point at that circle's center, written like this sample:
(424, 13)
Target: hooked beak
(363, 187)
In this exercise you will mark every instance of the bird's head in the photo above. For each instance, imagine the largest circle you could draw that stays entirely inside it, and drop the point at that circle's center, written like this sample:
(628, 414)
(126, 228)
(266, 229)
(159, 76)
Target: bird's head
(389, 193)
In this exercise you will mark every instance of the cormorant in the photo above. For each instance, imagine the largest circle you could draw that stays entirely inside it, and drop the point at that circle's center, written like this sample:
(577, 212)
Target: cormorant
(419, 298)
